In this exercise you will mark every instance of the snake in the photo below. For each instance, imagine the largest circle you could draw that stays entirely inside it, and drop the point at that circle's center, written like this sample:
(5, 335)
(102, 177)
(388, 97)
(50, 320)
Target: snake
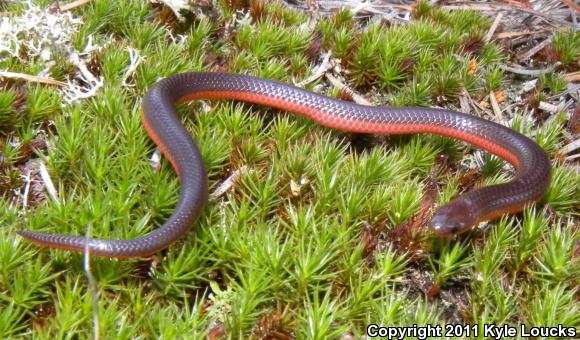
(161, 120)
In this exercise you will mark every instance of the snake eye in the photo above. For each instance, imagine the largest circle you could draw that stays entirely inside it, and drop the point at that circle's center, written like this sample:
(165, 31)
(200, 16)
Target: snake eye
(456, 227)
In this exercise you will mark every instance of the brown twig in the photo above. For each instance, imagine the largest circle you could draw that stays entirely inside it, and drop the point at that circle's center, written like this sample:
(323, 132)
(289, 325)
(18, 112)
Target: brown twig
(31, 78)
(493, 27)
(572, 90)
(529, 72)
(495, 107)
(569, 148)
(357, 98)
(229, 183)
(48, 183)
(464, 103)
(535, 49)
(507, 35)
(492, 6)
(548, 107)
(73, 5)
(313, 11)
(572, 77)
(25, 194)
(325, 66)
(572, 5)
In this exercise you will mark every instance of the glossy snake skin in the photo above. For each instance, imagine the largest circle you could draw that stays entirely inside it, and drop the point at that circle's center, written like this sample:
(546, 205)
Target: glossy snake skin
(160, 119)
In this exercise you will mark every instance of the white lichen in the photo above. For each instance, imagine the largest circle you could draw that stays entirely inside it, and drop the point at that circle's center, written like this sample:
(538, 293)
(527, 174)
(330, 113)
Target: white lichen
(37, 34)
(43, 36)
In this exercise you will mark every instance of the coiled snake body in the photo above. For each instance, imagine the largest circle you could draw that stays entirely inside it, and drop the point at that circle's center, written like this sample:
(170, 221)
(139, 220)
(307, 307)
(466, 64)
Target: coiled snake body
(163, 125)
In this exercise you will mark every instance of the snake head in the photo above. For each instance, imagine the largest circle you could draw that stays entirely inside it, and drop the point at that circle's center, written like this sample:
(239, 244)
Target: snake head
(454, 218)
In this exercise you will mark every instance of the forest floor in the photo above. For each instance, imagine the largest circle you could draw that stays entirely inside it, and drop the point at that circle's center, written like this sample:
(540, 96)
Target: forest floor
(309, 232)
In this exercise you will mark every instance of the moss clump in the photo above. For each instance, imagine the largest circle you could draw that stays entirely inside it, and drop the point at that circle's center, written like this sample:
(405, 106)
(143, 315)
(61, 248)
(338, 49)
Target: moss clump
(308, 241)
(567, 47)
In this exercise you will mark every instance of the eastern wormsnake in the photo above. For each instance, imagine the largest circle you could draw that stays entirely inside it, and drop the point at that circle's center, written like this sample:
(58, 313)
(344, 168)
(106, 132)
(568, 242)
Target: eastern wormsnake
(163, 125)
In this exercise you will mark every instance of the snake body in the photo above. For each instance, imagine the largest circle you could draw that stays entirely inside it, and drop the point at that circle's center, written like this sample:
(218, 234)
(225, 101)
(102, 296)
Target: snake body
(163, 125)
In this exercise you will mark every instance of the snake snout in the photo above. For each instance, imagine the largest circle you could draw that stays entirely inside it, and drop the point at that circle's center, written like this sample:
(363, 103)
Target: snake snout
(454, 218)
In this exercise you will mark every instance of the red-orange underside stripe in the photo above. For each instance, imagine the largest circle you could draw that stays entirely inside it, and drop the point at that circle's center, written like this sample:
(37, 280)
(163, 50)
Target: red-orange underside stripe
(358, 126)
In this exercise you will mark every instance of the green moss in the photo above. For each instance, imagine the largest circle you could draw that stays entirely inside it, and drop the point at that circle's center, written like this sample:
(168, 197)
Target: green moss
(494, 79)
(446, 79)
(554, 82)
(267, 39)
(301, 244)
(567, 47)
(8, 113)
(423, 9)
